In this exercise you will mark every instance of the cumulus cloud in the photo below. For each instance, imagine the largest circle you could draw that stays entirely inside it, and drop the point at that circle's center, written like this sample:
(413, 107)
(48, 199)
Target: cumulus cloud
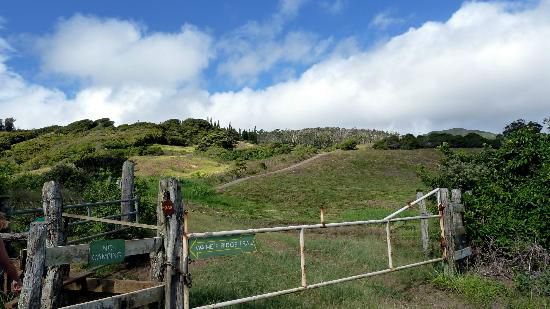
(114, 52)
(258, 47)
(483, 67)
(334, 6)
(246, 58)
(384, 20)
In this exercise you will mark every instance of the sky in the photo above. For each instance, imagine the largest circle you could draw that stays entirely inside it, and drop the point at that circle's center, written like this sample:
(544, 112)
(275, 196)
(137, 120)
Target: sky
(405, 66)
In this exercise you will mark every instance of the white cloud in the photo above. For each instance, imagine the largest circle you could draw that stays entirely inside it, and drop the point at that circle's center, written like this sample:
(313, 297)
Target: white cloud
(384, 20)
(258, 47)
(290, 8)
(116, 52)
(333, 6)
(485, 66)
(247, 59)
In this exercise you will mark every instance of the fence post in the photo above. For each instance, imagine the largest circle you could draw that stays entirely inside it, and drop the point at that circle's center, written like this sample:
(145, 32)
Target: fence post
(165, 263)
(127, 190)
(448, 225)
(52, 202)
(36, 260)
(424, 224)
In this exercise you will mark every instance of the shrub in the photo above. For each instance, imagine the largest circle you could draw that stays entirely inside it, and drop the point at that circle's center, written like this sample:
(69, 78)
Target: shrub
(218, 138)
(509, 188)
(347, 144)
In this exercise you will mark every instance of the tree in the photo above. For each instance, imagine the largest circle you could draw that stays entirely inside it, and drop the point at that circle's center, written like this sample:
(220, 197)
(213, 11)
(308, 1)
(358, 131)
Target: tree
(509, 191)
(520, 124)
(9, 124)
(1, 125)
(408, 141)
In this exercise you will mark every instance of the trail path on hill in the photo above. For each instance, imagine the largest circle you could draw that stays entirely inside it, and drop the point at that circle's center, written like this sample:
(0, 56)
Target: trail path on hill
(288, 168)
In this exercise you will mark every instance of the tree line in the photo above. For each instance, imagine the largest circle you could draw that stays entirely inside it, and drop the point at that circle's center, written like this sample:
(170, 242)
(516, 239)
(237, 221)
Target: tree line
(7, 124)
(320, 137)
(433, 140)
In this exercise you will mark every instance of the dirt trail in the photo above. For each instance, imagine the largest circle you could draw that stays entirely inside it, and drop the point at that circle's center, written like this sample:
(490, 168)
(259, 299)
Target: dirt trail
(288, 168)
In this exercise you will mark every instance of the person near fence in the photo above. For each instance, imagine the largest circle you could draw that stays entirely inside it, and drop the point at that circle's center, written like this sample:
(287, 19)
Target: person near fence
(5, 261)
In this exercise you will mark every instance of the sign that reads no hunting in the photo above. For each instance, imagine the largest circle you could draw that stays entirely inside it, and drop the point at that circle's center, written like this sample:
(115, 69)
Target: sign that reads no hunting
(104, 252)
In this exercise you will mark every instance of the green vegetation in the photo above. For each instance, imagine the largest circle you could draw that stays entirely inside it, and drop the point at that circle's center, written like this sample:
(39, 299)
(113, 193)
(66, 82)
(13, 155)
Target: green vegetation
(347, 144)
(464, 132)
(509, 192)
(320, 137)
(433, 140)
(508, 203)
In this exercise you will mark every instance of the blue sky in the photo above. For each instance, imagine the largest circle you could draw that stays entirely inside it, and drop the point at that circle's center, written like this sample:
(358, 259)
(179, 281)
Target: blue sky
(397, 65)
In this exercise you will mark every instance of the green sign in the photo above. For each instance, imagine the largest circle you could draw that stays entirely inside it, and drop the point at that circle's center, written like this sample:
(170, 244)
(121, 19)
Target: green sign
(104, 252)
(222, 245)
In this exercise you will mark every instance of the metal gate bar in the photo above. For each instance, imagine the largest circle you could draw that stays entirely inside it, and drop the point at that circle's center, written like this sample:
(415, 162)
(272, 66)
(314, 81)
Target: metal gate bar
(304, 286)
(316, 285)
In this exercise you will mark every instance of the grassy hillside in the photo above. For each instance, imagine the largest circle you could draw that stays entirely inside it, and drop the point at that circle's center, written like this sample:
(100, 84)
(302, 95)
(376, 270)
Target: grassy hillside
(464, 132)
(352, 185)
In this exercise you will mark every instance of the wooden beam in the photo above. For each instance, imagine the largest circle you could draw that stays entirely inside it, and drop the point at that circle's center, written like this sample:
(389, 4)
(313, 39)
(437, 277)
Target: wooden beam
(52, 202)
(109, 285)
(130, 300)
(424, 224)
(79, 253)
(127, 191)
(13, 236)
(448, 224)
(81, 276)
(31, 291)
(143, 226)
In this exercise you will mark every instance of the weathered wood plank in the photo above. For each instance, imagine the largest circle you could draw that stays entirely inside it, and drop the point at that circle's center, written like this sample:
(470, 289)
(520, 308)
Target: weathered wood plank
(31, 291)
(13, 236)
(448, 225)
(79, 253)
(127, 190)
(123, 301)
(423, 224)
(170, 191)
(52, 203)
(458, 207)
(462, 253)
(143, 226)
(109, 285)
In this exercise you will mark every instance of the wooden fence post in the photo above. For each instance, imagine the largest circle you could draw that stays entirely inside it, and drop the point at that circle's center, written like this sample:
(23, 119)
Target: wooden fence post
(448, 211)
(127, 190)
(424, 224)
(461, 241)
(36, 259)
(52, 202)
(165, 264)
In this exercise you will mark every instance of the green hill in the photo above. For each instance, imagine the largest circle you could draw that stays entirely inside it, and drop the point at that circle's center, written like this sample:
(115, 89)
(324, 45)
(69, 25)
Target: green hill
(464, 132)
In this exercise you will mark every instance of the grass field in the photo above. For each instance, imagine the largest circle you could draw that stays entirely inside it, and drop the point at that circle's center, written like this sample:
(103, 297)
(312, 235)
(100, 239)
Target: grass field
(177, 162)
(354, 185)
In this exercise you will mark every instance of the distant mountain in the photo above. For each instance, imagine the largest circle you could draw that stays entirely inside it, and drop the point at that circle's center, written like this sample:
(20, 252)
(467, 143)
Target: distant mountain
(463, 132)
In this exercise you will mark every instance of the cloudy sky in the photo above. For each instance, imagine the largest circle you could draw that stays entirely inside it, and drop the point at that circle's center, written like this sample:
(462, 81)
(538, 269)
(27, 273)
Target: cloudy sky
(409, 66)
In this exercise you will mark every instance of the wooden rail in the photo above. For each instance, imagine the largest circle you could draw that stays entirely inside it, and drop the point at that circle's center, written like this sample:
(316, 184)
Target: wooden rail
(129, 300)
(80, 253)
(140, 225)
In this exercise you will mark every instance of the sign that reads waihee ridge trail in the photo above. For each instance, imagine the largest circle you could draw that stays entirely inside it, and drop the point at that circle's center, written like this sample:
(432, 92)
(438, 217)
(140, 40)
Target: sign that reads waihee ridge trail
(222, 246)
(104, 252)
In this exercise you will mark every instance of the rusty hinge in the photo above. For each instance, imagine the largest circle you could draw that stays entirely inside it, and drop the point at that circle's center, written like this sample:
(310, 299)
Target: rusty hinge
(187, 280)
(442, 242)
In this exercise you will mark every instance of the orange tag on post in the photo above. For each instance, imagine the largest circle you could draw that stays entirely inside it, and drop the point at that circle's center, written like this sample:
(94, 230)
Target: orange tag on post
(167, 208)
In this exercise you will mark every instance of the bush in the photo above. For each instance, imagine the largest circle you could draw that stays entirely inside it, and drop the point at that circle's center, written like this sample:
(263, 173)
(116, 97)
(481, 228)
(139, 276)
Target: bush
(347, 144)
(218, 138)
(509, 188)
